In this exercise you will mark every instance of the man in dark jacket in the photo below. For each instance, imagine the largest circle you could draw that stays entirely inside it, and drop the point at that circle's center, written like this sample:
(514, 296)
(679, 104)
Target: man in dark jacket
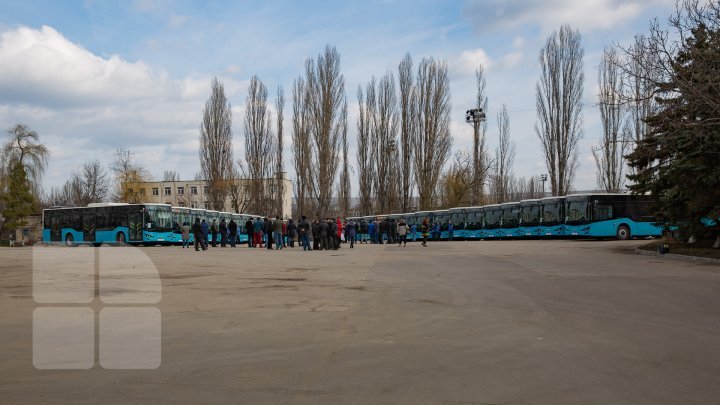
(291, 232)
(332, 235)
(363, 231)
(232, 228)
(213, 233)
(268, 228)
(250, 232)
(316, 235)
(197, 234)
(304, 233)
(223, 233)
(323, 230)
(205, 230)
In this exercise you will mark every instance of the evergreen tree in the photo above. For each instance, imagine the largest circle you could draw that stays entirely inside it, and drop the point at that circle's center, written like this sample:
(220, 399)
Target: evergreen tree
(19, 201)
(677, 160)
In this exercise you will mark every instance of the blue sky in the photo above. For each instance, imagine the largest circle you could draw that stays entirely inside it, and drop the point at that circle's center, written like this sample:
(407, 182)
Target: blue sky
(93, 76)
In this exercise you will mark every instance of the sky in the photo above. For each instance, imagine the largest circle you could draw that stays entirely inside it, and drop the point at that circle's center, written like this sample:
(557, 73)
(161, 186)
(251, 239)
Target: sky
(94, 76)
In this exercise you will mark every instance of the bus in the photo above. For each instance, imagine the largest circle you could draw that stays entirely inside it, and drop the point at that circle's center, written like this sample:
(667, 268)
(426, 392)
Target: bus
(610, 215)
(109, 223)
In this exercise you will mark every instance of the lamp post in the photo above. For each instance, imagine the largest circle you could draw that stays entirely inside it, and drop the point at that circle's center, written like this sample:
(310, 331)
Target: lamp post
(543, 178)
(474, 117)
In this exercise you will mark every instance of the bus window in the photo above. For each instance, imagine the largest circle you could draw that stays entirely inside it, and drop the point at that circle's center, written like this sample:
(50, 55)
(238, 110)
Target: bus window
(158, 218)
(602, 212)
(576, 211)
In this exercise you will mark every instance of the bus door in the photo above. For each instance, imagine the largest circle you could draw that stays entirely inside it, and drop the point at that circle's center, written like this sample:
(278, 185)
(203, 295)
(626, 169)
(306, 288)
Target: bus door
(55, 229)
(88, 227)
(135, 226)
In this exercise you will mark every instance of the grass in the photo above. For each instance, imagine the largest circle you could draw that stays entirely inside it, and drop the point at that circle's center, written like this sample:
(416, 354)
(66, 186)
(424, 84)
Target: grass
(702, 248)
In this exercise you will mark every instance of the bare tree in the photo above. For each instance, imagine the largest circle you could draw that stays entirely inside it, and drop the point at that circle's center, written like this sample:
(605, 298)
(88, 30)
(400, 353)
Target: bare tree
(279, 162)
(480, 156)
(22, 147)
(456, 183)
(216, 152)
(260, 148)
(559, 106)
(503, 178)
(432, 141)
(89, 184)
(345, 190)
(609, 155)
(239, 190)
(385, 126)
(325, 97)
(408, 112)
(366, 164)
(171, 175)
(129, 177)
(302, 149)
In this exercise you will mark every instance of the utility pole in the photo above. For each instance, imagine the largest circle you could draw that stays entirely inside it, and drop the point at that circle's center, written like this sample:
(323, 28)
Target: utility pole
(543, 178)
(475, 117)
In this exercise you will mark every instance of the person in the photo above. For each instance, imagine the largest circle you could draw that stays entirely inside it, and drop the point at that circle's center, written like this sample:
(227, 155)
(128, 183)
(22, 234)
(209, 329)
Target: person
(350, 232)
(205, 230)
(339, 230)
(371, 231)
(425, 228)
(392, 236)
(332, 234)
(413, 230)
(268, 229)
(291, 232)
(316, 234)
(304, 231)
(363, 231)
(284, 234)
(197, 234)
(223, 233)
(323, 229)
(277, 232)
(185, 232)
(250, 230)
(232, 229)
(257, 233)
(213, 233)
(402, 233)
(451, 229)
(436, 231)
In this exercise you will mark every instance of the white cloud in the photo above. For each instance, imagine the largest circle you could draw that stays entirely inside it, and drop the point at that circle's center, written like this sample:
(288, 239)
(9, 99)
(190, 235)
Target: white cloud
(85, 106)
(587, 15)
(469, 61)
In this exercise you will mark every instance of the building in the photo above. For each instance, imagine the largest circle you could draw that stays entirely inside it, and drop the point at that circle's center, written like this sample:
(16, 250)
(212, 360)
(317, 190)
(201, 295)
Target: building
(194, 194)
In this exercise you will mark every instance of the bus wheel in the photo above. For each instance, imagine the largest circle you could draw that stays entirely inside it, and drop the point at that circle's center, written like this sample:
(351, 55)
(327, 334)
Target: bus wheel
(69, 240)
(623, 232)
(120, 237)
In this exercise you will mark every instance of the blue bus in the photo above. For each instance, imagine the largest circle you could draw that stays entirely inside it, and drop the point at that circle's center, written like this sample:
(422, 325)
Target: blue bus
(108, 223)
(610, 215)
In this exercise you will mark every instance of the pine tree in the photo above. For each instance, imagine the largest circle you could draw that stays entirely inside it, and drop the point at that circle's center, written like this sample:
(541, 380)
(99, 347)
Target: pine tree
(19, 201)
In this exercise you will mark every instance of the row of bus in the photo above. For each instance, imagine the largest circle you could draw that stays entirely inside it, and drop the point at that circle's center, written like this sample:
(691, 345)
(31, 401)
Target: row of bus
(620, 216)
(129, 223)
(584, 215)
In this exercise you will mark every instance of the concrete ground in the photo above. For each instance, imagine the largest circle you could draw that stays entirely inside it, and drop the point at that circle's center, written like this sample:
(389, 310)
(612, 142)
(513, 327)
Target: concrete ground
(495, 322)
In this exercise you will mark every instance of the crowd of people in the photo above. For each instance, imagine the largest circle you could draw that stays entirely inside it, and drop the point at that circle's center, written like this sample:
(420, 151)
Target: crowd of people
(320, 234)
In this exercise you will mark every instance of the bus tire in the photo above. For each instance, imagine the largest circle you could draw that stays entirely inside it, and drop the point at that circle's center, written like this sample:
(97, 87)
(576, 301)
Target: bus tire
(120, 237)
(623, 232)
(69, 240)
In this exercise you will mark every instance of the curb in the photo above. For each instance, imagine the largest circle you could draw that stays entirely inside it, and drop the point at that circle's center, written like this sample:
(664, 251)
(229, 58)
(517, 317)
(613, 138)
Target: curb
(677, 257)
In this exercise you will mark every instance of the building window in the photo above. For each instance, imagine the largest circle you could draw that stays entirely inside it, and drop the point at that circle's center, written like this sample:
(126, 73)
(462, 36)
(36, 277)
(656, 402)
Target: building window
(156, 191)
(181, 204)
(168, 203)
(205, 190)
(207, 205)
(193, 190)
(142, 191)
(193, 205)
(181, 190)
(168, 191)
(130, 191)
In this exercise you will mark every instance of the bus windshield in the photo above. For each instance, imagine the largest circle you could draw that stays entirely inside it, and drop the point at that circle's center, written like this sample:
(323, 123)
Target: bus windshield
(158, 218)
(577, 211)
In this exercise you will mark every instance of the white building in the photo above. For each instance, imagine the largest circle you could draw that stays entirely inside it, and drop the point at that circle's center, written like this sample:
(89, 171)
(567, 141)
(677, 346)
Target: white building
(194, 194)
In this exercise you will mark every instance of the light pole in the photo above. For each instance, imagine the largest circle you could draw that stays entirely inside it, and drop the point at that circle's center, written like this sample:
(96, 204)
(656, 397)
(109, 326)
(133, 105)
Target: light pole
(543, 178)
(474, 117)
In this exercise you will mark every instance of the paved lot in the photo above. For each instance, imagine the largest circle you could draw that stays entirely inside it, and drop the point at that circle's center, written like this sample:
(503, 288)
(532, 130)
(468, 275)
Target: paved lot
(521, 322)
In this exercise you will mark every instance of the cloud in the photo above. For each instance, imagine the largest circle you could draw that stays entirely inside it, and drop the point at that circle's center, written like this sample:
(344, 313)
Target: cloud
(85, 106)
(588, 15)
(469, 61)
